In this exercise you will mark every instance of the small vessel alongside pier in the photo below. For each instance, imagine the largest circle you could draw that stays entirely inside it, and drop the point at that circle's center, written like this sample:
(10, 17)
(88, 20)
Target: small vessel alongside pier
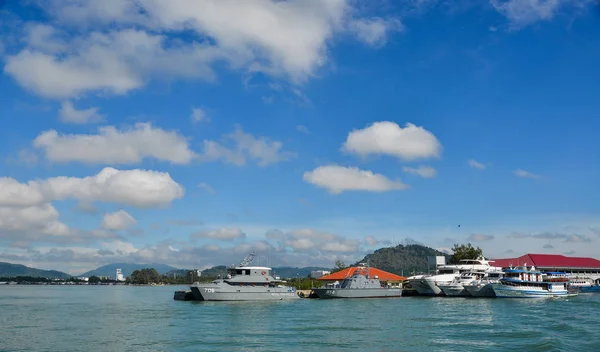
(245, 283)
(361, 284)
(531, 283)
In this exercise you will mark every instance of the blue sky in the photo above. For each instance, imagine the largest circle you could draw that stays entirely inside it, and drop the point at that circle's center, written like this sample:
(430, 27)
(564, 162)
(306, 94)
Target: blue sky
(191, 132)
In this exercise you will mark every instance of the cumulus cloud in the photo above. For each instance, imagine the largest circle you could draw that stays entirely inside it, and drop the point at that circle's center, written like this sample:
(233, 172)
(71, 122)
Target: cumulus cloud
(14, 193)
(69, 114)
(372, 241)
(525, 174)
(375, 31)
(111, 146)
(222, 234)
(140, 188)
(118, 220)
(32, 222)
(199, 115)
(78, 259)
(285, 39)
(476, 165)
(27, 213)
(522, 13)
(480, 237)
(422, 170)
(311, 241)
(408, 143)
(245, 146)
(337, 179)
(114, 63)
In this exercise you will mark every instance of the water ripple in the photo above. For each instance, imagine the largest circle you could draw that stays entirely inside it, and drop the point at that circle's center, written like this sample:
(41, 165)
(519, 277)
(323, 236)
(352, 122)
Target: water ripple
(121, 318)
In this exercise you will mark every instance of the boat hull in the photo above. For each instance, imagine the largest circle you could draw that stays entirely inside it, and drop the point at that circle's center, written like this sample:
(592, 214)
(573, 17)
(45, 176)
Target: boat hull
(358, 292)
(233, 293)
(422, 287)
(504, 291)
(480, 290)
(454, 290)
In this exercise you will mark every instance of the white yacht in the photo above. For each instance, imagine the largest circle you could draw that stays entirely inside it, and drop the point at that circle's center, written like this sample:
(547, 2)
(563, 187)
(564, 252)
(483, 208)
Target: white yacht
(531, 283)
(483, 287)
(429, 285)
(457, 286)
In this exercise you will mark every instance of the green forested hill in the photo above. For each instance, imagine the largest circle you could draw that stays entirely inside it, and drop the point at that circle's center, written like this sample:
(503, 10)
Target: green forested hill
(403, 260)
(13, 270)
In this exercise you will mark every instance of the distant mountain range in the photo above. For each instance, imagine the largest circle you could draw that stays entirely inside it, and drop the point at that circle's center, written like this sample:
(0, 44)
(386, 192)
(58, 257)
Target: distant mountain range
(402, 260)
(110, 270)
(12, 270)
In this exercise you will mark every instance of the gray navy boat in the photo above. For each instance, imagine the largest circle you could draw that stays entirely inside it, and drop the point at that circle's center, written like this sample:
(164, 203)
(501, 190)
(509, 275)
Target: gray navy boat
(245, 283)
(359, 285)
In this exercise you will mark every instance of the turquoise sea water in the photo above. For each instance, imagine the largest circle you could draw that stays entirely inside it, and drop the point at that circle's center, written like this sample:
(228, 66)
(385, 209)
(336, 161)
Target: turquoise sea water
(123, 318)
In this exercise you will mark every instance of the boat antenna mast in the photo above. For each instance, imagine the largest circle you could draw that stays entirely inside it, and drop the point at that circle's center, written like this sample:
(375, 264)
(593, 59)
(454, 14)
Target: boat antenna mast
(247, 260)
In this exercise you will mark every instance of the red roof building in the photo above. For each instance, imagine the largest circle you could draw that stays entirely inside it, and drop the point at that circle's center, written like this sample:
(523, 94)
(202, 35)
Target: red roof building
(548, 262)
(342, 274)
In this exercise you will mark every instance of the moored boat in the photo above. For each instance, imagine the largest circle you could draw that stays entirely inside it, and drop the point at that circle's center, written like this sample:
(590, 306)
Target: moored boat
(483, 287)
(245, 283)
(361, 284)
(457, 286)
(531, 283)
(429, 285)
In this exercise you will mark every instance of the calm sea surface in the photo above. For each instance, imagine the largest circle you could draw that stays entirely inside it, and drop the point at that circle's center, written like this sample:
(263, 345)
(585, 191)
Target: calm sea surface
(122, 318)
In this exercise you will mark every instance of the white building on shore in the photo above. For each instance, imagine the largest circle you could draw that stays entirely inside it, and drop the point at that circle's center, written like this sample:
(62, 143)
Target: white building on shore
(119, 276)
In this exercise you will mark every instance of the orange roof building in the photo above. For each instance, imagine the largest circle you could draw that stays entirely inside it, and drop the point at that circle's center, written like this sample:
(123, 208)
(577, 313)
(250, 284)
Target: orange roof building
(342, 274)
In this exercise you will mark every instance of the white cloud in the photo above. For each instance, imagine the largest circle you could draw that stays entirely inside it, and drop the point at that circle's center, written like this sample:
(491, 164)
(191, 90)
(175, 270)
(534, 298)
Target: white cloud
(245, 146)
(140, 188)
(44, 38)
(526, 174)
(32, 222)
(480, 237)
(16, 194)
(26, 212)
(422, 170)
(525, 12)
(222, 234)
(288, 39)
(118, 220)
(207, 188)
(374, 31)
(475, 164)
(111, 146)
(307, 240)
(27, 157)
(115, 63)
(303, 129)
(371, 241)
(408, 143)
(199, 115)
(69, 114)
(337, 179)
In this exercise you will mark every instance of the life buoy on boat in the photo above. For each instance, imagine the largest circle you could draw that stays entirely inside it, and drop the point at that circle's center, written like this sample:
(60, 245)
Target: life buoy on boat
(264, 273)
